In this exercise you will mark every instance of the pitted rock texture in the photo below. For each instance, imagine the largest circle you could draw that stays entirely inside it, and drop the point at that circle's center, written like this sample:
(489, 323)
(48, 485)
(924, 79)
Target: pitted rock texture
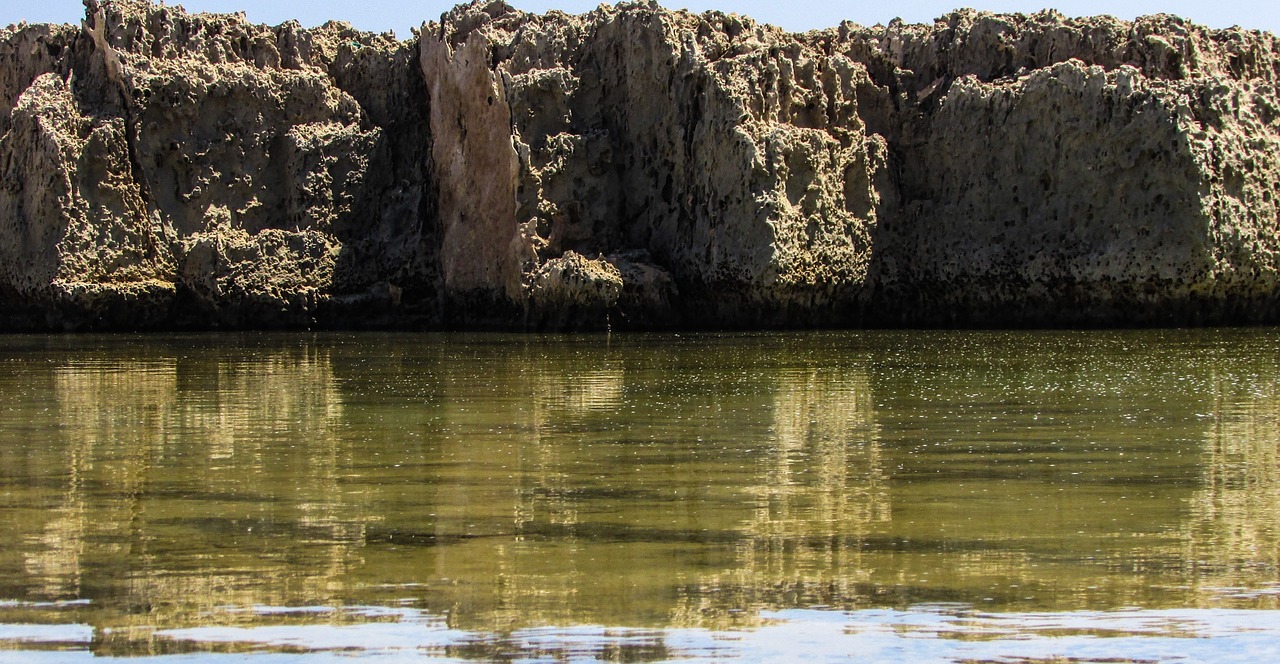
(635, 167)
(163, 169)
(727, 152)
(1082, 172)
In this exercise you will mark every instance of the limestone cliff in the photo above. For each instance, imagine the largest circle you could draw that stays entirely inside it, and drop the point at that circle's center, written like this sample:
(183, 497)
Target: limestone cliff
(635, 167)
(1085, 171)
(165, 169)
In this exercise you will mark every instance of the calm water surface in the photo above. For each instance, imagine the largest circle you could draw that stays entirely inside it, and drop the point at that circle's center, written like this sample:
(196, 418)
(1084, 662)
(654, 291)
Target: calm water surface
(894, 496)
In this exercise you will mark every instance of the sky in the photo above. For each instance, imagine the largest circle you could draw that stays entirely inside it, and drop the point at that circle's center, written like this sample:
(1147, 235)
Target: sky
(400, 15)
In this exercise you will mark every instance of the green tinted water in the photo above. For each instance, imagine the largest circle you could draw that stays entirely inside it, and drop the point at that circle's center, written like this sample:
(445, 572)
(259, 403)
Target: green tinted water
(626, 496)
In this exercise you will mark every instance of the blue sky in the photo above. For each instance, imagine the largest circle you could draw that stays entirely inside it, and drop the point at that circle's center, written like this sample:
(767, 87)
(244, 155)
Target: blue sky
(399, 15)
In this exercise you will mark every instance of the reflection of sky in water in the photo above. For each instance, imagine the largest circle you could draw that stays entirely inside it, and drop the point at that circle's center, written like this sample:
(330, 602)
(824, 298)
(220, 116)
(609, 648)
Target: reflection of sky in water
(926, 633)
(45, 634)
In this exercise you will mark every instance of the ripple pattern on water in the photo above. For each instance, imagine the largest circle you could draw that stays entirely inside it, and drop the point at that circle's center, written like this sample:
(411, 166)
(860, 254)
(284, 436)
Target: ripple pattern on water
(639, 494)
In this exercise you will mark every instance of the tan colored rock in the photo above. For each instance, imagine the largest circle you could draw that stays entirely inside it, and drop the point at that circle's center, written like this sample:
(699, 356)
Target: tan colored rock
(726, 150)
(274, 274)
(71, 212)
(475, 170)
(159, 168)
(155, 134)
(1079, 171)
(26, 52)
(573, 291)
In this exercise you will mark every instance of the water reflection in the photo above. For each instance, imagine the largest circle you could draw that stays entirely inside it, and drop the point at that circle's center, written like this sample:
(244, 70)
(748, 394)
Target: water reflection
(505, 485)
(927, 633)
(110, 442)
(1233, 534)
(161, 489)
(819, 488)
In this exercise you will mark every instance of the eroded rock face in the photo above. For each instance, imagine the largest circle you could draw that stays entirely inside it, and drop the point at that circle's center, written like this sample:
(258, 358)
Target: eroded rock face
(1090, 171)
(169, 169)
(635, 167)
(733, 156)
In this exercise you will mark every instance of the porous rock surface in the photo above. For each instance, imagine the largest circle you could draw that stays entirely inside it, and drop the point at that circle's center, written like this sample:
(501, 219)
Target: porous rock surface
(166, 169)
(635, 167)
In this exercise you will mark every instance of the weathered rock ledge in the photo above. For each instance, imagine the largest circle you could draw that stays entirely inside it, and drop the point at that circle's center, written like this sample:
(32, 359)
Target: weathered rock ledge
(635, 167)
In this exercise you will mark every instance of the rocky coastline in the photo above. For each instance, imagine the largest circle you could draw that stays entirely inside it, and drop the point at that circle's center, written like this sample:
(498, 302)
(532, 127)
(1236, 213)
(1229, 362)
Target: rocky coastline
(635, 168)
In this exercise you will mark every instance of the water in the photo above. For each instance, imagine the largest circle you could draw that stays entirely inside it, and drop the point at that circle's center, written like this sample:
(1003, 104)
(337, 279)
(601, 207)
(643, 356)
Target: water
(876, 496)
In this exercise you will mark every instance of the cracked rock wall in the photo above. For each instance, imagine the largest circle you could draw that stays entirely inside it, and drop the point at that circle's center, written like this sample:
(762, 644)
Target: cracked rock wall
(717, 166)
(163, 169)
(635, 167)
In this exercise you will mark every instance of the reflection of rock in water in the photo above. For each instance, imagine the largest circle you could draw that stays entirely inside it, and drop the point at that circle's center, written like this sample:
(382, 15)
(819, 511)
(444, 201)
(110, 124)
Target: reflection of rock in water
(575, 393)
(564, 399)
(822, 488)
(114, 416)
(516, 429)
(578, 483)
(271, 422)
(561, 399)
(250, 403)
(181, 494)
(1234, 531)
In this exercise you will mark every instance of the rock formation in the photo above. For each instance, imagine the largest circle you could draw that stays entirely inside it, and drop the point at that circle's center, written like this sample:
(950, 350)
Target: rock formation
(635, 167)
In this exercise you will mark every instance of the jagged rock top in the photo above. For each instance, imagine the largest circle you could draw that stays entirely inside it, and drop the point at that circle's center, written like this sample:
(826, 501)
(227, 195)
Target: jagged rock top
(962, 42)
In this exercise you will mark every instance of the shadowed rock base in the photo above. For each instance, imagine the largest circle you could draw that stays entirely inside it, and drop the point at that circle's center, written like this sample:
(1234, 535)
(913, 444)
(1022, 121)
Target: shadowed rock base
(635, 168)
